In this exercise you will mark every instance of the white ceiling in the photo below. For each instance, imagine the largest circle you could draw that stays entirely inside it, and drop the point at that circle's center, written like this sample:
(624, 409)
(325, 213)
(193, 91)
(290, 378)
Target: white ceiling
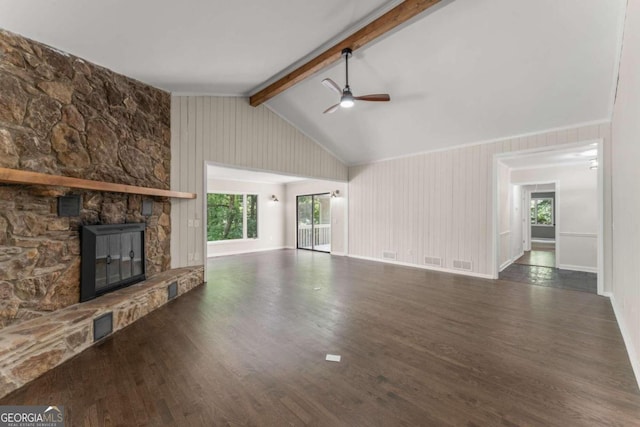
(468, 71)
(192, 46)
(231, 174)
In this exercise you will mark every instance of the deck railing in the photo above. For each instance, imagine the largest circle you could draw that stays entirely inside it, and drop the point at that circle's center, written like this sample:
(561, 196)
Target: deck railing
(321, 235)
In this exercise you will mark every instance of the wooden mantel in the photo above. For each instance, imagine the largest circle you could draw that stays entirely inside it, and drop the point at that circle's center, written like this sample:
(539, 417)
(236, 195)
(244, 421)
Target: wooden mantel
(13, 176)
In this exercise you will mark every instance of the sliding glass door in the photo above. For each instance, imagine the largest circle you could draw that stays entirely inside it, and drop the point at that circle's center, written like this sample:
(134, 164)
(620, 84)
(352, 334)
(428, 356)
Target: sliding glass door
(314, 222)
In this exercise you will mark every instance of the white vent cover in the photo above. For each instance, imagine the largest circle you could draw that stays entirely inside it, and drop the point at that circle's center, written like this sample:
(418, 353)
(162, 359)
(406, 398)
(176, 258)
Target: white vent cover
(462, 265)
(389, 255)
(433, 261)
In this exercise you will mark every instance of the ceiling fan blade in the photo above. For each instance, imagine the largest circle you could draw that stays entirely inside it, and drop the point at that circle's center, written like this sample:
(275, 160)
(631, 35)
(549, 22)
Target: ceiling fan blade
(380, 97)
(332, 86)
(331, 109)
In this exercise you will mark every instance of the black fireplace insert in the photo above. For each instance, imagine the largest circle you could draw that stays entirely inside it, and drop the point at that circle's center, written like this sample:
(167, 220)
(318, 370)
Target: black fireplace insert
(112, 258)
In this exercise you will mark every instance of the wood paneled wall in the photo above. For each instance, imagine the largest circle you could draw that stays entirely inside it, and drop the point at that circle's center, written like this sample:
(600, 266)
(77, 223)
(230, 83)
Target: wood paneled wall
(626, 194)
(226, 130)
(439, 204)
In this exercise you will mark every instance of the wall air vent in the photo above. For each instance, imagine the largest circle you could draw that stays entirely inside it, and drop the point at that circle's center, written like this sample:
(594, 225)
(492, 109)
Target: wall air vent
(172, 290)
(462, 265)
(102, 326)
(433, 261)
(389, 255)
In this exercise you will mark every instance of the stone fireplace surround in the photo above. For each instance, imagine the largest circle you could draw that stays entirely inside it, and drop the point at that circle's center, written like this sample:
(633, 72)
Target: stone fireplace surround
(61, 115)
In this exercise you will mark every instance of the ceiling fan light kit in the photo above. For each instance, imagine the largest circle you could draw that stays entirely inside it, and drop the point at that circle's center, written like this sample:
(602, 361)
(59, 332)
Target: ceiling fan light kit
(347, 100)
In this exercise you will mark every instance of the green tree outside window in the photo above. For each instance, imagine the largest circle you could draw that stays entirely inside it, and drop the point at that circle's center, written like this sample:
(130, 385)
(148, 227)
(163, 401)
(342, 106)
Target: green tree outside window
(226, 216)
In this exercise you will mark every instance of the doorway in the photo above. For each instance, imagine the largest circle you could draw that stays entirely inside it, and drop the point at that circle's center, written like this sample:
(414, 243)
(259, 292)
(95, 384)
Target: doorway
(560, 191)
(539, 213)
(314, 222)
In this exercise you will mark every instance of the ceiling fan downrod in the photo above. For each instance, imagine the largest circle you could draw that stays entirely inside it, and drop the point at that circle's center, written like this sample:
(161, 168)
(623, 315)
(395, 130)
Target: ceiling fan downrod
(347, 100)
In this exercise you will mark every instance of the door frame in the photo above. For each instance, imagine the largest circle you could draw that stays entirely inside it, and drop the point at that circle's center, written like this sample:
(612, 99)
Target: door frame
(312, 222)
(526, 217)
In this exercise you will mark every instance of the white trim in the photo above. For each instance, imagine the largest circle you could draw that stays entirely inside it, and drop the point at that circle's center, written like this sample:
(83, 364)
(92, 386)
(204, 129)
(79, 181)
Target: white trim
(572, 234)
(246, 251)
(506, 138)
(510, 261)
(424, 267)
(626, 337)
(600, 243)
(578, 268)
(338, 253)
(552, 165)
(208, 94)
(274, 172)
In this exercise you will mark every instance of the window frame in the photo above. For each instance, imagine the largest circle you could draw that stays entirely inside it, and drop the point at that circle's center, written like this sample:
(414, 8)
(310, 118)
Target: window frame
(244, 218)
(535, 217)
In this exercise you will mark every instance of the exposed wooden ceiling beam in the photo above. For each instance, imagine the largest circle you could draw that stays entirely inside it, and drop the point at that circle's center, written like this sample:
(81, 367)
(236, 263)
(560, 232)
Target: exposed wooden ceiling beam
(396, 16)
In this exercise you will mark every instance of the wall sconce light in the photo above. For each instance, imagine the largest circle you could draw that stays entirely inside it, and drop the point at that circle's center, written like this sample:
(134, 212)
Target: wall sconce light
(335, 193)
(593, 164)
(274, 198)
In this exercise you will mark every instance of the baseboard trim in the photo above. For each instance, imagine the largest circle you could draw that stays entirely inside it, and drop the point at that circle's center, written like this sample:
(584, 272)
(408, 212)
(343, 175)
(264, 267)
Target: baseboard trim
(506, 264)
(248, 251)
(578, 268)
(338, 253)
(511, 261)
(626, 337)
(425, 267)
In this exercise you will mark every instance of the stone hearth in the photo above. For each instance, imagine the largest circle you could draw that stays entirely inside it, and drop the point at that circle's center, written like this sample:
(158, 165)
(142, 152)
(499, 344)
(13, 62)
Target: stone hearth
(29, 349)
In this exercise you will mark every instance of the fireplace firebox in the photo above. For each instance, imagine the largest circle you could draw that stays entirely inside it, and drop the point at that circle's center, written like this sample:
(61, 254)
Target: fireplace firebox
(112, 258)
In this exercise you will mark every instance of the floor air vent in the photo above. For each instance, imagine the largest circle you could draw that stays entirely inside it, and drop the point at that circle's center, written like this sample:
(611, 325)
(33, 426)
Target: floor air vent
(389, 255)
(433, 261)
(462, 265)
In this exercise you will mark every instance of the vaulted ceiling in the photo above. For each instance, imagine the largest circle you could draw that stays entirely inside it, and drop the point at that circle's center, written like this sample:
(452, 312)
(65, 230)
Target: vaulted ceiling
(464, 72)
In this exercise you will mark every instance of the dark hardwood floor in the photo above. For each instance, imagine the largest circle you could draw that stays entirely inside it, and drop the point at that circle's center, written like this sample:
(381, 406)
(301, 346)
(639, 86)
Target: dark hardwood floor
(418, 348)
(541, 254)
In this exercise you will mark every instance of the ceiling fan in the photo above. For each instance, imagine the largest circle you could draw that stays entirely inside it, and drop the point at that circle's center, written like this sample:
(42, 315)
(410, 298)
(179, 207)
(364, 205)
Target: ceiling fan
(347, 100)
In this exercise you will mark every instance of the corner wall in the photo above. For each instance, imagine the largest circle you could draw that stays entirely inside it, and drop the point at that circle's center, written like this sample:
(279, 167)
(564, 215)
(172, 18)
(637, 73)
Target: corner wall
(439, 204)
(270, 217)
(228, 131)
(626, 192)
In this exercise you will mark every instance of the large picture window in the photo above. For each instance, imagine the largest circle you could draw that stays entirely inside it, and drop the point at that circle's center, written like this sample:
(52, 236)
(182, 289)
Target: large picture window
(542, 211)
(232, 216)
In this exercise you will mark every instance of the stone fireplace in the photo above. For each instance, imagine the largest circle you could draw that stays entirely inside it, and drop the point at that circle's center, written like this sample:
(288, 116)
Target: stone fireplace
(61, 115)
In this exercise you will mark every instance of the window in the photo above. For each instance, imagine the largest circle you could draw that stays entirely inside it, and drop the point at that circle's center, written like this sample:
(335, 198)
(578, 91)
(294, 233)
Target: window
(542, 211)
(232, 216)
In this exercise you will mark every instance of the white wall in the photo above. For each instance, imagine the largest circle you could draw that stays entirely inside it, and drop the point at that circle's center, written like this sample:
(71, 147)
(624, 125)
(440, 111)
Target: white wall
(229, 131)
(626, 192)
(270, 217)
(338, 211)
(440, 204)
(576, 212)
